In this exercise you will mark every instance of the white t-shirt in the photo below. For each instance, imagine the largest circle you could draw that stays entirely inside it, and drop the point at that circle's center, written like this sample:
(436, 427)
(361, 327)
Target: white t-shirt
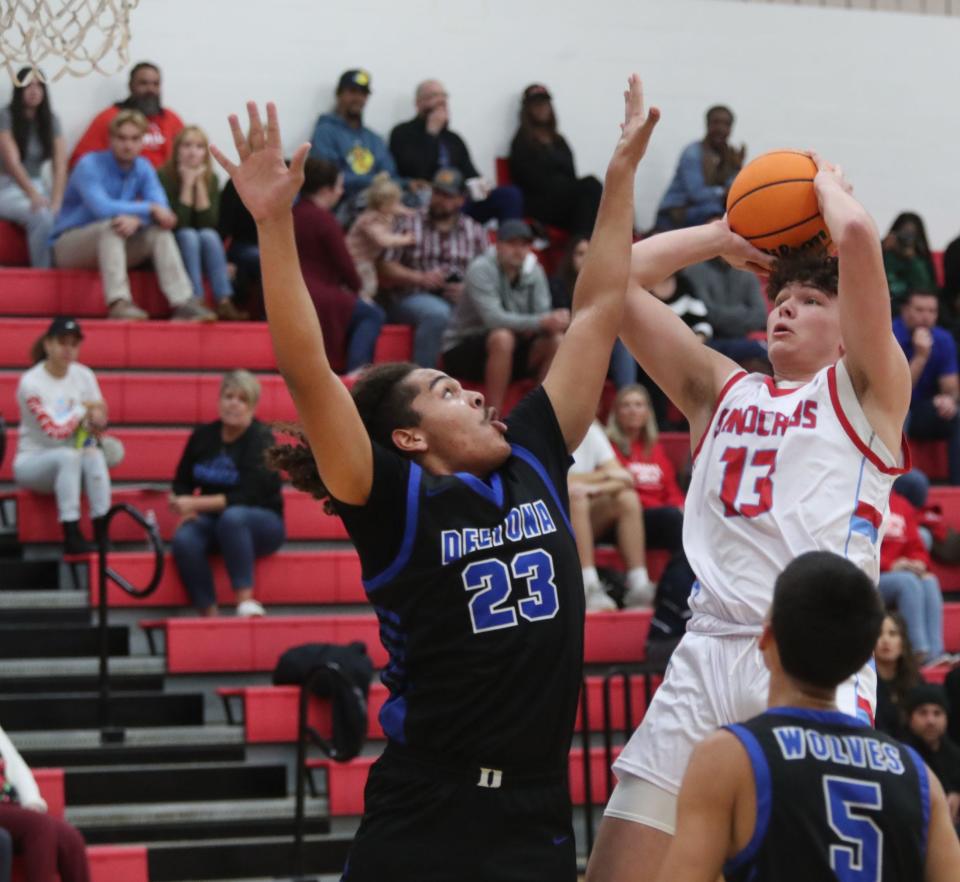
(52, 408)
(593, 452)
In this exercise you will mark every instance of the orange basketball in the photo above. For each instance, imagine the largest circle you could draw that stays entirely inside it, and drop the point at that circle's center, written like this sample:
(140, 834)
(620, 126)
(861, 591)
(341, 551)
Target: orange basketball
(772, 203)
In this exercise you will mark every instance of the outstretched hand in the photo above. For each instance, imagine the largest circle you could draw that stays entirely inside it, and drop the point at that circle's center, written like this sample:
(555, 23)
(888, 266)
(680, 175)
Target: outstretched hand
(638, 122)
(263, 181)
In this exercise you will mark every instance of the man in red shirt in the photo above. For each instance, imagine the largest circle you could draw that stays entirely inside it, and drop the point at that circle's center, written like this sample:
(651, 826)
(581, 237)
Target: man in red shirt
(144, 96)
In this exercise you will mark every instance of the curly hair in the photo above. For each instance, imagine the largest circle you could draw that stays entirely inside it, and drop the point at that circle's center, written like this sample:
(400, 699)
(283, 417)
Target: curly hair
(383, 400)
(812, 267)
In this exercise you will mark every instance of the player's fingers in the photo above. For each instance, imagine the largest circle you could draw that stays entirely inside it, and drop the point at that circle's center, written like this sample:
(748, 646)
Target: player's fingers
(239, 141)
(273, 126)
(299, 159)
(817, 158)
(256, 137)
(225, 163)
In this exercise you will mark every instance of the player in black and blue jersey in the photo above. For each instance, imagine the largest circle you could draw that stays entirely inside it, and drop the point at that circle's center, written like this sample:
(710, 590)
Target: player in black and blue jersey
(460, 520)
(804, 792)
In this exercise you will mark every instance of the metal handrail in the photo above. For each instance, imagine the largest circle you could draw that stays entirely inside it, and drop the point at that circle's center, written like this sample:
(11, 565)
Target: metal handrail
(108, 733)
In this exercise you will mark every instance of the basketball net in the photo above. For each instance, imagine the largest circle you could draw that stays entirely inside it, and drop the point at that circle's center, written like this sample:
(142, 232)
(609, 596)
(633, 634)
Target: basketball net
(81, 35)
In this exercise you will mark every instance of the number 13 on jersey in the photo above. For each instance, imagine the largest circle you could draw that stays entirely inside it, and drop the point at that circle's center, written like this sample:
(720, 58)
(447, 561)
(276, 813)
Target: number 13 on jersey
(747, 487)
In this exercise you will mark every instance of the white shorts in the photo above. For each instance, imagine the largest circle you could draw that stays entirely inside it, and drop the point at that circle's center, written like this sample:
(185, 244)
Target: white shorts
(711, 682)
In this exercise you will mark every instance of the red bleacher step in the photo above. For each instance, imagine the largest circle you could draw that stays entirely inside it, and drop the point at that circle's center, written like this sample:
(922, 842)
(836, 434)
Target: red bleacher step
(304, 516)
(203, 645)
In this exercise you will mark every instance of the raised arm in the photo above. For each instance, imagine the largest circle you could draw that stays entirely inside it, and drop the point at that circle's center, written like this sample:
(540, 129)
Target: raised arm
(874, 360)
(340, 444)
(690, 373)
(580, 365)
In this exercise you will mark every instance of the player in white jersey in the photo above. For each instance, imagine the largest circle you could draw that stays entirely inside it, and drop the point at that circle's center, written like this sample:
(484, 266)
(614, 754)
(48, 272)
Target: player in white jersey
(783, 465)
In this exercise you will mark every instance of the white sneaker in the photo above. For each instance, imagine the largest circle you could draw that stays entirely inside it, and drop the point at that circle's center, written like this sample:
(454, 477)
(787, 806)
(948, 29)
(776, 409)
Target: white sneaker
(635, 597)
(249, 608)
(598, 600)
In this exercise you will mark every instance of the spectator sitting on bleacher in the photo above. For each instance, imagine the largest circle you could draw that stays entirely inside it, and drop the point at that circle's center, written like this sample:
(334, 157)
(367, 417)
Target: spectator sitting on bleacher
(341, 137)
(541, 165)
(735, 308)
(194, 195)
(162, 123)
(227, 498)
(49, 846)
(932, 353)
(115, 215)
(897, 674)
(704, 173)
(372, 233)
(351, 324)
(424, 279)
(632, 428)
(504, 326)
(239, 232)
(62, 416)
(907, 583)
(603, 501)
(907, 260)
(30, 136)
(425, 144)
(951, 282)
(927, 708)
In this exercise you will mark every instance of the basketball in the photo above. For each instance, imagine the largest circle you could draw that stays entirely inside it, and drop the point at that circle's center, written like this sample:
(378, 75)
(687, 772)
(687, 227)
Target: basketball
(772, 203)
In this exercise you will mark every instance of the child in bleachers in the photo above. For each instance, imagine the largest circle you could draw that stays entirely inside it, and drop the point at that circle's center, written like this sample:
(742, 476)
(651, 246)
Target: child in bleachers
(194, 194)
(372, 232)
(62, 417)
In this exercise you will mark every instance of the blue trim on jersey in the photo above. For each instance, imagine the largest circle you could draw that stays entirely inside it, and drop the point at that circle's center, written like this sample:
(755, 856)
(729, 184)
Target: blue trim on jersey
(537, 466)
(761, 782)
(393, 715)
(387, 614)
(492, 492)
(409, 533)
(924, 779)
(828, 717)
(856, 498)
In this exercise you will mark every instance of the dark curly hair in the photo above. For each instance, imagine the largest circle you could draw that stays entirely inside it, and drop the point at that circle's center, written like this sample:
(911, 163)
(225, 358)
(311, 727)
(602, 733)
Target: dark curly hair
(811, 266)
(384, 401)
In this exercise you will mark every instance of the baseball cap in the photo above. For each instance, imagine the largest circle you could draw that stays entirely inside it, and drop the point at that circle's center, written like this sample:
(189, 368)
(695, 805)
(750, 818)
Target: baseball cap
(449, 181)
(514, 229)
(356, 78)
(536, 92)
(926, 693)
(64, 325)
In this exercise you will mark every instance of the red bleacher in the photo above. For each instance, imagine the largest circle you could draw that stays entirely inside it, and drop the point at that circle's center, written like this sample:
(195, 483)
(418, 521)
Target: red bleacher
(199, 645)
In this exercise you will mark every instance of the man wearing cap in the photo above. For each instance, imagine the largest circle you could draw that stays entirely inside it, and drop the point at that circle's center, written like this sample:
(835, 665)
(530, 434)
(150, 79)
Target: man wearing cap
(926, 707)
(340, 137)
(425, 144)
(504, 326)
(425, 279)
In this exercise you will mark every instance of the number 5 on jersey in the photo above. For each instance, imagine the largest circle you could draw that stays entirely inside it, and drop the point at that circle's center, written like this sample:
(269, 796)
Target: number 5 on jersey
(747, 486)
(490, 578)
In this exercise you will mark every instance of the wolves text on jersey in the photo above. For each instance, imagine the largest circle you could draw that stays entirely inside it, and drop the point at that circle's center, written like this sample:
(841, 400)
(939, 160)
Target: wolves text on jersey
(525, 521)
(753, 420)
(860, 751)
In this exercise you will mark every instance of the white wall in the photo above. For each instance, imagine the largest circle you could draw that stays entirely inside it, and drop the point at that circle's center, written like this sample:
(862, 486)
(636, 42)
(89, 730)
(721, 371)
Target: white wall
(875, 92)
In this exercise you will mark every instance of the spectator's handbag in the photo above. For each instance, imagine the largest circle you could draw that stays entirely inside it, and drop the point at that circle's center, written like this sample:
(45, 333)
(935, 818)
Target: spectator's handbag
(113, 450)
(8, 793)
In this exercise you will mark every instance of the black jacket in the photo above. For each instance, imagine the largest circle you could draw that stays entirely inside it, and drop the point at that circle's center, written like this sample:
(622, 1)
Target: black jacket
(417, 152)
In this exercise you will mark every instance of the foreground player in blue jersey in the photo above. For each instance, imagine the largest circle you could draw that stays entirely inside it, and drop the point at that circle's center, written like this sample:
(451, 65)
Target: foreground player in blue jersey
(460, 521)
(804, 792)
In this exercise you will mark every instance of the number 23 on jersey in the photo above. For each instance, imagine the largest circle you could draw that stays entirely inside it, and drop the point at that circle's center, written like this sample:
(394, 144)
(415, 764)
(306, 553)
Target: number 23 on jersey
(491, 582)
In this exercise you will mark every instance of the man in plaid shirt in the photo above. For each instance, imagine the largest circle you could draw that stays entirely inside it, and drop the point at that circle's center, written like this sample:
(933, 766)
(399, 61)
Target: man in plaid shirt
(425, 280)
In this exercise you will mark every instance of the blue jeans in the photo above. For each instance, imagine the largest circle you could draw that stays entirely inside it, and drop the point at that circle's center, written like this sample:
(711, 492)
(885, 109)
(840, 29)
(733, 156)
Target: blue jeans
(429, 315)
(623, 368)
(362, 333)
(502, 203)
(15, 206)
(241, 533)
(202, 251)
(920, 602)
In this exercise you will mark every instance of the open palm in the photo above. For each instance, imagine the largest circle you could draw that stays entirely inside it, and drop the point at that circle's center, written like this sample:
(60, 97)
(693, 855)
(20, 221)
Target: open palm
(638, 122)
(263, 181)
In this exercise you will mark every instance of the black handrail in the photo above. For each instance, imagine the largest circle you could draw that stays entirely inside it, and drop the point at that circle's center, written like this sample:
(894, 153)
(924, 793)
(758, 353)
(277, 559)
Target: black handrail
(306, 733)
(587, 770)
(108, 733)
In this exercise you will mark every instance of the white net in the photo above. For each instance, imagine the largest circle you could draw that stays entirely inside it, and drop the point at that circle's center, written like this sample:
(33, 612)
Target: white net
(72, 37)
